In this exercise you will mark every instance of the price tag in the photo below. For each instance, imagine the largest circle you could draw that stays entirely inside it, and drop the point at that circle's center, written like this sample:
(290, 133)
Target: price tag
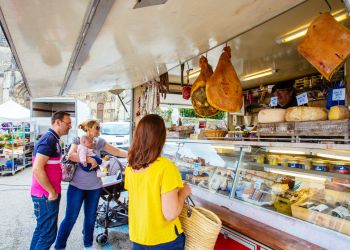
(195, 168)
(273, 102)
(338, 94)
(257, 184)
(302, 99)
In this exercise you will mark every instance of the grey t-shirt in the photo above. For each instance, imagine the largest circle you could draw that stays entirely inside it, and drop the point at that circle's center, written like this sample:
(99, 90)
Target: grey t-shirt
(88, 180)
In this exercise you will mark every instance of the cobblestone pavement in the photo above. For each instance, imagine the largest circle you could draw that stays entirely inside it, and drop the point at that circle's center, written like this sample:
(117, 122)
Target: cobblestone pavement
(17, 220)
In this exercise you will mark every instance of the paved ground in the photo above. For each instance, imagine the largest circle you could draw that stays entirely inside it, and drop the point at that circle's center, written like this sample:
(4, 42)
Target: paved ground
(17, 220)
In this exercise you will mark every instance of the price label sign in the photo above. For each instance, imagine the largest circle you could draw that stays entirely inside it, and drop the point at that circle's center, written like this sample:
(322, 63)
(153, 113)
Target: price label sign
(338, 94)
(273, 102)
(302, 99)
(257, 184)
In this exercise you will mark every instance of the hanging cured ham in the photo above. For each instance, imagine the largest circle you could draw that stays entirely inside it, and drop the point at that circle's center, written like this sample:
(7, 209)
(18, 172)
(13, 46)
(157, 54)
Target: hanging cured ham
(198, 91)
(326, 45)
(224, 90)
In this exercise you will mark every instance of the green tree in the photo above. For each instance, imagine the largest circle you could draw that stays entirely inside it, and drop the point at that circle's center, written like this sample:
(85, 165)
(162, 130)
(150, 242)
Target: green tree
(165, 114)
(188, 112)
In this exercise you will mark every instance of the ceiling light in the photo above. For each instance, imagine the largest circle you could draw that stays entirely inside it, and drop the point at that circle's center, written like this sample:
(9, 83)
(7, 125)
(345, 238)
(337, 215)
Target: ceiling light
(334, 156)
(194, 73)
(301, 31)
(306, 176)
(286, 151)
(258, 74)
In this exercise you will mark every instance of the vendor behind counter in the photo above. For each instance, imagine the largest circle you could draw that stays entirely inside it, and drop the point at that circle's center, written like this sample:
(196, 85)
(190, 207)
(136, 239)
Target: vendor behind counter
(286, 94)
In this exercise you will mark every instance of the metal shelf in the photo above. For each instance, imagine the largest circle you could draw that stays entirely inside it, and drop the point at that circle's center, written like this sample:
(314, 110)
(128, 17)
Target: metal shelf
(297, 170)
(13, 171)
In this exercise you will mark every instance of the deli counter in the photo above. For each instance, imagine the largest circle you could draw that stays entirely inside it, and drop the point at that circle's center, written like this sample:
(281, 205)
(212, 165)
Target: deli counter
(300, 189)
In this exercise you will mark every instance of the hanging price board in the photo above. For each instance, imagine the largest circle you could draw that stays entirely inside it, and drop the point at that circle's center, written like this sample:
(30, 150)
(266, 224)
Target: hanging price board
(302, 99)
(338, 94)
(273, 102)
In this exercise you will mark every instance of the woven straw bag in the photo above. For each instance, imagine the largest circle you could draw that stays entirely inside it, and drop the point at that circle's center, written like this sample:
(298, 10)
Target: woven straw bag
(200, 226)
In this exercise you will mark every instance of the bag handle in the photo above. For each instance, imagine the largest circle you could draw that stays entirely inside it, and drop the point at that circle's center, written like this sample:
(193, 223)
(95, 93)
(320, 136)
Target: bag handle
(189, 202)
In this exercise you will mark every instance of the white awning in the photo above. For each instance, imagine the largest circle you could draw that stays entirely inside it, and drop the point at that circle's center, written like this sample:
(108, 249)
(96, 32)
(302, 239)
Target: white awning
(11, 111)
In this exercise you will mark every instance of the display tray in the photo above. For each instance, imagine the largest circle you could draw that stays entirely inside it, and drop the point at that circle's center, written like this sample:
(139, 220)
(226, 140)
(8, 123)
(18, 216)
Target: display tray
(323, 219)
(339, 128)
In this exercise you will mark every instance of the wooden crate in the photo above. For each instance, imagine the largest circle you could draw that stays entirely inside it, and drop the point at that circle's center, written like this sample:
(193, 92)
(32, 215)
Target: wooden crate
(276, 129)
(323, 128)
(321, 219)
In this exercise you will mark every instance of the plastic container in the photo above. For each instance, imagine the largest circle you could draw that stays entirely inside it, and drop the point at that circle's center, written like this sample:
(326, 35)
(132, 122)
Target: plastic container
(320, 165)
(260, 158)
(272, 159)
(340, 167)
(293, 163)
(282, 160)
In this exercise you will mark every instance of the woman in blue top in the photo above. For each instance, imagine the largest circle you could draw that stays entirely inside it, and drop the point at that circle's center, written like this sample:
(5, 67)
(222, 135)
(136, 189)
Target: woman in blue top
(85, 187)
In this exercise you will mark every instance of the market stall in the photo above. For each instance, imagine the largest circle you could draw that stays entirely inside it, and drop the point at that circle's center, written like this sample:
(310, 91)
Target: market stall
(278, 173)
(277, 177)
(16, 138)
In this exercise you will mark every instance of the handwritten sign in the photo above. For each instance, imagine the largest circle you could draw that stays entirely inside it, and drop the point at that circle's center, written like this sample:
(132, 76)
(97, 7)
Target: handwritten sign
(302, 99)
(273, 102)
(338, 94)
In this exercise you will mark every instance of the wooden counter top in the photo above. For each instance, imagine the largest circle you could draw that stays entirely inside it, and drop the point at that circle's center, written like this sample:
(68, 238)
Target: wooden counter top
(255, 230)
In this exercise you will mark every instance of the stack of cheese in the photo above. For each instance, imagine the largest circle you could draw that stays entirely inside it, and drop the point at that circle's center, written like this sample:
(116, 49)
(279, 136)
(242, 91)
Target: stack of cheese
(303, 114)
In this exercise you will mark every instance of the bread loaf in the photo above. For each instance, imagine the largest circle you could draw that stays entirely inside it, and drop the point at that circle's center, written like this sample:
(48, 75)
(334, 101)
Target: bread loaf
(338, 113)
(306, 114)
(271, 115)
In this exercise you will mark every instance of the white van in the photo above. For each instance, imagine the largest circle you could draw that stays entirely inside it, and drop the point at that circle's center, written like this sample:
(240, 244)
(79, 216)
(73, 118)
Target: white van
(117, 133)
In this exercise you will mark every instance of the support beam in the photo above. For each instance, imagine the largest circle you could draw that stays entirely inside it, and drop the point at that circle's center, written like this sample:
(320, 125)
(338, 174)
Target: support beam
(13, 49)
(93, 23)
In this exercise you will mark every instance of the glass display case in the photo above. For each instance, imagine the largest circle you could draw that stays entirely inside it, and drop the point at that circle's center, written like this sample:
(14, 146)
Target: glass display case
(211, 166)
(307, 183)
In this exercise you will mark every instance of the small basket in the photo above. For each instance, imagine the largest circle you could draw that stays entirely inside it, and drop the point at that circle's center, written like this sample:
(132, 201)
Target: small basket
(215, 133)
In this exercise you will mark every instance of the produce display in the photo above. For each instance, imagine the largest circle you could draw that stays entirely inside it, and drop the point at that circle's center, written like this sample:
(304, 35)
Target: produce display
(224, 89)
(198, 172)
(327, 208)
(306, 114)
(15, 150)
(273, 191)
(198, 92)
(326, 45)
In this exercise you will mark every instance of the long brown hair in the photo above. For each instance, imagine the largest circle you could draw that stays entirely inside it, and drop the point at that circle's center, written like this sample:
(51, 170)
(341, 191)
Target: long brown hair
(148, 142)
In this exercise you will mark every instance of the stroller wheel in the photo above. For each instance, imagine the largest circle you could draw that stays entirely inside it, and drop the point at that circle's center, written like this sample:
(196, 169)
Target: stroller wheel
(102, 239)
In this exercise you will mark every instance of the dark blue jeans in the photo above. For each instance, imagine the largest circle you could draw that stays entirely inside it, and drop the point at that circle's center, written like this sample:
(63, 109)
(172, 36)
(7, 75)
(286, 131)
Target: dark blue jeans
(75, 198)
(177, 244)
(46, 213)
(87, 168)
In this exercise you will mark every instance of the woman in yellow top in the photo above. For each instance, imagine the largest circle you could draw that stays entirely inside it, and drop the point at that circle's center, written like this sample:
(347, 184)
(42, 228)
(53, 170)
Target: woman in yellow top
(156, 192)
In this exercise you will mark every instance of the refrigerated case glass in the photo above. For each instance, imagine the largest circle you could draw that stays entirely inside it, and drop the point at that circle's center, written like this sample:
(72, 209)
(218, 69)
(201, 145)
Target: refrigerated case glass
(298, 184)
(208, 165)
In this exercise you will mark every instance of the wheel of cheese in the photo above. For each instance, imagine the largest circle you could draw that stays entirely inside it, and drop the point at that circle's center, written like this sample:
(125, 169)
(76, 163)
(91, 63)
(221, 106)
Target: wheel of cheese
(338, 113)
(306, 114)
(271, 115)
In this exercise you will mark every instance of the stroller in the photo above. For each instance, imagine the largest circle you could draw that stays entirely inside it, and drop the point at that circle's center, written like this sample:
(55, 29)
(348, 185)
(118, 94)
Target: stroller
(112, 212)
